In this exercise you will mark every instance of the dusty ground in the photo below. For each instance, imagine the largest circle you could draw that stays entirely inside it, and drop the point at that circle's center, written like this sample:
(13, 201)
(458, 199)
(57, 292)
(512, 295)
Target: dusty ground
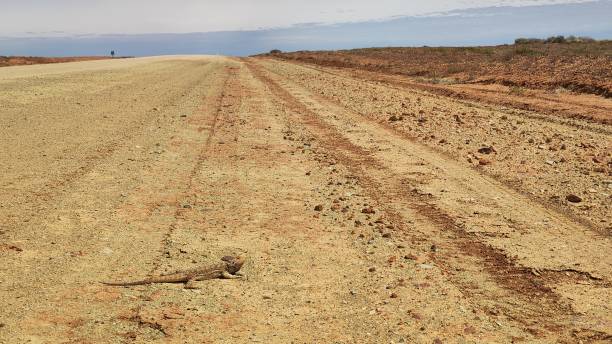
(123, 169)
(557, 79)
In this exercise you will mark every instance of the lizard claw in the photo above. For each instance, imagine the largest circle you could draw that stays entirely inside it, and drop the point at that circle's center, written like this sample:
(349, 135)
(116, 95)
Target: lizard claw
(227, 275)
(191, 285)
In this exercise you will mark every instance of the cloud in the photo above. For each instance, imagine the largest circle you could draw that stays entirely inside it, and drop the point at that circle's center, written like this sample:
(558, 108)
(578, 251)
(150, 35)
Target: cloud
(17, 18)
(483, 26)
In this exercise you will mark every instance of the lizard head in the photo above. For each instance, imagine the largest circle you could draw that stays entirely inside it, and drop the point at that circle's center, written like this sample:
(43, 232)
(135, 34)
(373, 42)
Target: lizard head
(234, 263)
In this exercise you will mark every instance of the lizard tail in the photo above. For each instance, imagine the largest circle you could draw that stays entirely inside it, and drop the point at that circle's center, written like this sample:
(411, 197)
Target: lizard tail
(126, 284)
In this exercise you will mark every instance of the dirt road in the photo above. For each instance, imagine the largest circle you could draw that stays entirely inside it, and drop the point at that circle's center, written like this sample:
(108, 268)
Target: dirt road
(357, 228)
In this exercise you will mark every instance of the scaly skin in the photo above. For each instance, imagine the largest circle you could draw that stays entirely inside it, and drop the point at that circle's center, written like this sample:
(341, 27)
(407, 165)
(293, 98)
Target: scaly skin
(227, 269)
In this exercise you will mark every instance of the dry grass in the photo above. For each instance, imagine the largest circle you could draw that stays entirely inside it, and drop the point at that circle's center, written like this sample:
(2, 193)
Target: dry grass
(580, 67)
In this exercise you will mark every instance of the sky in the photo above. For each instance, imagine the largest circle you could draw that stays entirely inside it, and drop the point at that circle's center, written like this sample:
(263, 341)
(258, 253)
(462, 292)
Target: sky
(19, 18)
(246, 27)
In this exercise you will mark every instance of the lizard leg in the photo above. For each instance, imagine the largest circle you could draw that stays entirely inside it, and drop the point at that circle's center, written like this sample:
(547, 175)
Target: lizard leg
(191, 284)
(227, 275)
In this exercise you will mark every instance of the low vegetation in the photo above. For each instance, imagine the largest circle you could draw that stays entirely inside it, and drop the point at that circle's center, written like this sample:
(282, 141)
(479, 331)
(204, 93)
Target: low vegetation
(6, 61)
(578, 64)
(555, 39)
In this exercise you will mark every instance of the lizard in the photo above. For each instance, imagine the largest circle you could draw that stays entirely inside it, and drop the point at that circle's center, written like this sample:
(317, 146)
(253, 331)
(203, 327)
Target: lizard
(228, 268)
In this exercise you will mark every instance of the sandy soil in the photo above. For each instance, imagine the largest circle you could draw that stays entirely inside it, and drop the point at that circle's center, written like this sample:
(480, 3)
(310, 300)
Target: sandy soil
(358, 227)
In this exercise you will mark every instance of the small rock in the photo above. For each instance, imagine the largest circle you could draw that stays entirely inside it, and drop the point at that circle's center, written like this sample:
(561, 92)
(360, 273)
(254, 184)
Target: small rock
(393, 118)
(573, 198)
(487, 150)
(267, 297)
(550, 162)
(386, 235)
(393, 296)
(484, 162)
(15, 248)
(318, 207)
(368, 210)
(372, 269)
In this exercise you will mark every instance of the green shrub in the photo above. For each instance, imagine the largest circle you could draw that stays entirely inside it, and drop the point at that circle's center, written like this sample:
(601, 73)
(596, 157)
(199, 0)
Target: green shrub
(554, 39)
(527, 40)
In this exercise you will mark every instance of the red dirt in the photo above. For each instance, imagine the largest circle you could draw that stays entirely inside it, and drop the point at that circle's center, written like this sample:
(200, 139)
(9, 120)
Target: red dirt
(579, 67)
(565, 80)
(7, 61)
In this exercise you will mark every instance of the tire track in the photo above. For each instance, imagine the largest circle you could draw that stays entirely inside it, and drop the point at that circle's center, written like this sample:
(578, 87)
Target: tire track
(55, 189)
(215, 102)
(530, 301)
(562, 209)
(471, 95)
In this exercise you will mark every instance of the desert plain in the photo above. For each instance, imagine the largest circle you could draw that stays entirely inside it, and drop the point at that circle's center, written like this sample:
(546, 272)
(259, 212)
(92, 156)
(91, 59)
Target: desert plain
(372, 207)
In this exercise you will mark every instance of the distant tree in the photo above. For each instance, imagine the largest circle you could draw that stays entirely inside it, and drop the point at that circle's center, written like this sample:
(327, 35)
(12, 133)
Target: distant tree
(275, 51)
(527, 40)
(112, 53)
(556, 39)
